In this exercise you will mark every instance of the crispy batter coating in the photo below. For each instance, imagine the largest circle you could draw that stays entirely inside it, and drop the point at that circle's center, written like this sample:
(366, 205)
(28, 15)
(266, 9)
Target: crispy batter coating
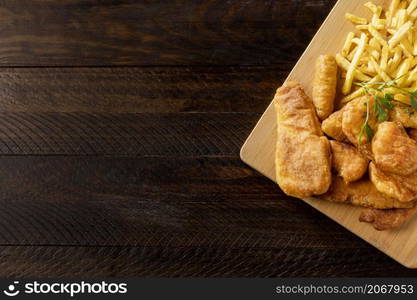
(406, 115)
(402, 188)
(393, 150)
(332, 126)
(350, 164)
(387, 219)
(302, 152)
(324, 85)
(360, 193)
(354, 116)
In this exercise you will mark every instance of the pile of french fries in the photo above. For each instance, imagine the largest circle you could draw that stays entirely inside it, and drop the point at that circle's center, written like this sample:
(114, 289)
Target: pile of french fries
(383, 50)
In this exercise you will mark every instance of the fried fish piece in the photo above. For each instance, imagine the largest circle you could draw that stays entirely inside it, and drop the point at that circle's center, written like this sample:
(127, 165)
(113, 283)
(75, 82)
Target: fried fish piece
(350, 164)
(302, 159)
(360, 193)
(324, 85)
(402, 188)
(354, 116)
(406, 115)
(332, 126)
(385, 219)
(394, 151)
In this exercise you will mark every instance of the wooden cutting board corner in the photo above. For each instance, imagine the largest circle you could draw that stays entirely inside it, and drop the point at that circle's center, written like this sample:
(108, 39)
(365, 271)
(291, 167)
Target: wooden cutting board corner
(258, 150)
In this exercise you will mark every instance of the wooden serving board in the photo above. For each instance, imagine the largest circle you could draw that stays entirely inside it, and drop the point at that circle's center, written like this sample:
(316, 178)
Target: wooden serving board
(258, 150)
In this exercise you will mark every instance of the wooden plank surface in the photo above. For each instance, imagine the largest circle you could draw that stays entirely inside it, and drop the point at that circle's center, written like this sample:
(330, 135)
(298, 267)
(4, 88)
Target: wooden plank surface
(157, 32)
(85, 192)
(259, 152)
(147, 201)
(130, 90)
(128, 262)
(51, 133)
(176, 216)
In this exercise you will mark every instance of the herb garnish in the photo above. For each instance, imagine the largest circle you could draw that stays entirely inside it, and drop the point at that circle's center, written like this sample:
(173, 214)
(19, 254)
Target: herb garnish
(382, 104)
(366, 129)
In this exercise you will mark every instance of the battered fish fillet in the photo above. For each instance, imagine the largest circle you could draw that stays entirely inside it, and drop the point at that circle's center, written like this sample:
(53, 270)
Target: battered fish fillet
(324, 85)
(388, 218)
(393, 150)
(302, 152)
(332, 126)
(354, 116)
(350, 164)
(406, 115)
(360, 193)
(402, 188)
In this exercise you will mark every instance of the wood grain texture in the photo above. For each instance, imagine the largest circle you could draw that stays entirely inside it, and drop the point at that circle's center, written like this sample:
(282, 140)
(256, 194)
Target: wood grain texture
(156, 32)
(128, 262)
(152, 89)
(146, 201)
(153, 201)
(24, 133)
(179, 217)
(106, 173)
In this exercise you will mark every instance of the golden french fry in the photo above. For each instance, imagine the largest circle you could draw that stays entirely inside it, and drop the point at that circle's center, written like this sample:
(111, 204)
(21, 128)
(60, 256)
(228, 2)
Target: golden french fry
(415, 42)
(402, 17)
(374, 19)
(393, 90)
(344, 64)
(380, 72)
(382, 22)
(412, 6)
(359, 92)
(394, 22)
(395, 60)
(370, 68)
(375, 9)
(410, 37)
(348, 44)
(412, 77)
(392, 11)
(391, 31)
(402, 98)
(366, 27)
(351, 54)
(400, 34)
(365, 70)
(384, 58)
(407, 48)
(377, 35)
(356, 94)
(402, 71)
(355, 19)
(347, 86)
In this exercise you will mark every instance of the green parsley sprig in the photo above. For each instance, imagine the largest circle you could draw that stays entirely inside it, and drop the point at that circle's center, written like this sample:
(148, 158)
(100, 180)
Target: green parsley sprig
(380, 86)
(366, 128)
(382, 105)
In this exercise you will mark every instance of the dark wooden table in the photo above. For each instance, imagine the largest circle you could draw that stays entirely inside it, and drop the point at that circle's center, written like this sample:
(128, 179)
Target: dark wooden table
(120, 128)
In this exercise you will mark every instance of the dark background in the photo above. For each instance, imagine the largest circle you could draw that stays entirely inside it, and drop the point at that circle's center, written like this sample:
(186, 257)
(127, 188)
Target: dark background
(120, 128)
